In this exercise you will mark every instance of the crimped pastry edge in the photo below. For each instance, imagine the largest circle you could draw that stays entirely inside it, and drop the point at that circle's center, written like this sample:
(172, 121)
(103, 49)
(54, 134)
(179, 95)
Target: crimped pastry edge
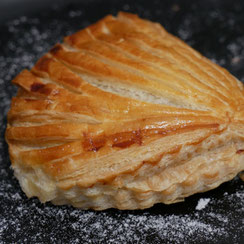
(101, 196)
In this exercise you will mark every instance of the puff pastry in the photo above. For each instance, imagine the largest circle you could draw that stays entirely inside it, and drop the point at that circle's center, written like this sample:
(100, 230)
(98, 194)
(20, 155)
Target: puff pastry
(124, 115)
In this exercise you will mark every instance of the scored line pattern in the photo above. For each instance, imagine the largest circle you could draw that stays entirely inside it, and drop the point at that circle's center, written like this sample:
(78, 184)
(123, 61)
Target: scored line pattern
(116, 86)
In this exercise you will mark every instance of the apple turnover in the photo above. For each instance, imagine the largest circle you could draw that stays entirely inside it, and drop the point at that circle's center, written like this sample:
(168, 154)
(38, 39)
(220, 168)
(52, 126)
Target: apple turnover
(124, 115)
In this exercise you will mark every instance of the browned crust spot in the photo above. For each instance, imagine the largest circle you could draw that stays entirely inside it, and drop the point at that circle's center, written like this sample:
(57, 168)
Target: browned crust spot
(35, 87)
(240, 151)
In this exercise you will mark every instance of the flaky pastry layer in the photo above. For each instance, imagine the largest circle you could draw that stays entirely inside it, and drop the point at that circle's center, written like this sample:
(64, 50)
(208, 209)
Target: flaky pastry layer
(124, 115)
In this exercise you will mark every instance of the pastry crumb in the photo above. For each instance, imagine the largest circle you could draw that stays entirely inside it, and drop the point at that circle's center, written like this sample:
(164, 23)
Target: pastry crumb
(202, 203)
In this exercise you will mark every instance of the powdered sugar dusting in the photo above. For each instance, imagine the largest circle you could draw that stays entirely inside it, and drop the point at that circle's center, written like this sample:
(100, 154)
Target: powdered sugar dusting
(49, 223)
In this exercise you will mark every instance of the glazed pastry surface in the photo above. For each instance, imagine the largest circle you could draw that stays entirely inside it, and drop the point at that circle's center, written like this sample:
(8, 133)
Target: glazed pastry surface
(124, 115)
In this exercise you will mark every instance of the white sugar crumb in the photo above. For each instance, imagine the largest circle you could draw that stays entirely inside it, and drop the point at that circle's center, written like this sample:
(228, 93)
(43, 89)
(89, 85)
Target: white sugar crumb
(221, 61)
(76, 13)
(202, 203)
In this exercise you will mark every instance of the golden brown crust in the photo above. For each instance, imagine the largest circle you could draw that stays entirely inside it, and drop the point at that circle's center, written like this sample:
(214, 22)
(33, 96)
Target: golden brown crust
(126, 110)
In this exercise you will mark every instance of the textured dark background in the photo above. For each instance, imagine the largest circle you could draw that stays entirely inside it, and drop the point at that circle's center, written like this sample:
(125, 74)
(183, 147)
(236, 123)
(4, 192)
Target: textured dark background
(27, 30)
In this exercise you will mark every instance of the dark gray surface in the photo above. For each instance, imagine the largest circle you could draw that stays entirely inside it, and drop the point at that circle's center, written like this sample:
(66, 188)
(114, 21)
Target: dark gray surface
(216, 29)
(14, 8)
